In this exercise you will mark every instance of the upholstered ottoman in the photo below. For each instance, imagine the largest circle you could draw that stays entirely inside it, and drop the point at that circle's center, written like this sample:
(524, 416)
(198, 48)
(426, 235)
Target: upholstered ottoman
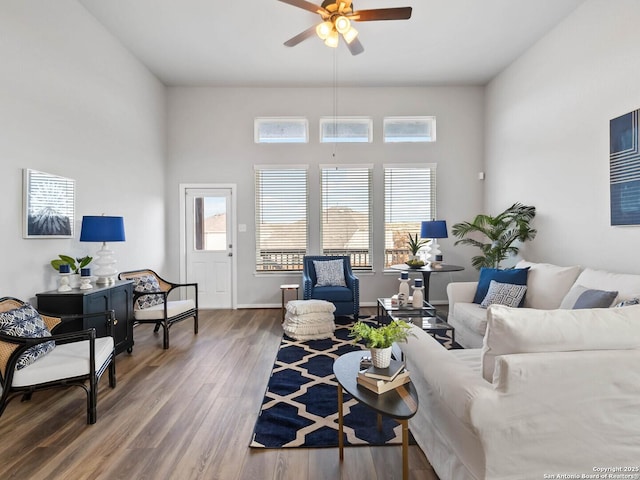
(309, 319)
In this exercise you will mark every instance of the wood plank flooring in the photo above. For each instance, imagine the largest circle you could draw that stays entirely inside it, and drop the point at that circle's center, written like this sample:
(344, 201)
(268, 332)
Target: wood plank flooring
(183, 413)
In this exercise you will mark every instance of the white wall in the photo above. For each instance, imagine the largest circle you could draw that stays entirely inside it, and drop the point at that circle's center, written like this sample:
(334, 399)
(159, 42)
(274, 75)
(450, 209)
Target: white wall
(547, 134)
(75, 103)
(210, 133)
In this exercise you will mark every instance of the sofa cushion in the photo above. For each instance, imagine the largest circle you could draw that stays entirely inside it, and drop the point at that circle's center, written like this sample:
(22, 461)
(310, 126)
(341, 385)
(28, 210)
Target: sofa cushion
(329, 273)
(627, 285)
(333, 294)
(515, 276)
(547, 284)
(472, 316)
(504, 294)
(65, 361)
(583, 297)
(513, 330)
(156, 312)
(25, 321)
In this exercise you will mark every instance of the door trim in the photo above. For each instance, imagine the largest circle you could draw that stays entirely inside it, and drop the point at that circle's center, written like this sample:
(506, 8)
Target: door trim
(234, 240)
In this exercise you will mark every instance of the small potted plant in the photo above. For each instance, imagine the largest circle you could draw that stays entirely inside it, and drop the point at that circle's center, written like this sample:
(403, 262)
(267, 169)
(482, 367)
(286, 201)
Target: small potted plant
(75, 266)
(65, 259)
(380, 339)
(415, 244)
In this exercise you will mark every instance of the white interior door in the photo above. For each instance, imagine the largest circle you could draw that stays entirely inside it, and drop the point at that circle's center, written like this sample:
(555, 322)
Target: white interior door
(209, 244)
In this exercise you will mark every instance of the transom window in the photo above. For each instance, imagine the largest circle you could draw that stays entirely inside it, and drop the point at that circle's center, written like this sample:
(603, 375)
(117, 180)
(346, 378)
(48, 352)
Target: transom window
(346, 130)
(281, 130)
(409, 129)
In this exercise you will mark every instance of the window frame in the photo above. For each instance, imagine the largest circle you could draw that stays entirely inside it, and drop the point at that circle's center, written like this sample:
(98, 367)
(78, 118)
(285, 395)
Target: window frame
(368, 121)
(368, 253)
(259, 121)
(297, 199)
(408, 199)
(430, 120)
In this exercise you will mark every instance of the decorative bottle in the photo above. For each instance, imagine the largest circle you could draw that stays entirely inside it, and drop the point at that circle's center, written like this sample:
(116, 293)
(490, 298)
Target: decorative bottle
(403, 291)
(418, 294)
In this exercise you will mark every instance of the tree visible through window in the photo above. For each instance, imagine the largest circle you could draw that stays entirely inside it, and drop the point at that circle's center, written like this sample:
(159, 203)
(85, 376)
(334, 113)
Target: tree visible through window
(346, 213)
(409, 199)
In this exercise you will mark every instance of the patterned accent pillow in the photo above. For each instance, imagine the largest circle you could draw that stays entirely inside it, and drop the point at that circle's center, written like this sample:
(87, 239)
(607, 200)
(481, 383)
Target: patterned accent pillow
(25, 321)
(147, 283)
(627, 302)
(504, 294)
(329, 273)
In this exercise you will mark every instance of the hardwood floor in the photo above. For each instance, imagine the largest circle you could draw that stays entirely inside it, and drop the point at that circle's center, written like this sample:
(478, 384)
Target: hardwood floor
(183, 413)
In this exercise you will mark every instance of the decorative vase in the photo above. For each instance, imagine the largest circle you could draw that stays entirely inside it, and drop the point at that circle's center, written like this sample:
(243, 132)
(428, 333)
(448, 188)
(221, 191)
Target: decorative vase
(381, 357)
(418, 294)
(403, 291)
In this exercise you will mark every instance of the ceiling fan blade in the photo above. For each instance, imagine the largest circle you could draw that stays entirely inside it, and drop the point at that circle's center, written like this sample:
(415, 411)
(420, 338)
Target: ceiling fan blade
(309, 32)
(312, 7)
(400, 13)
(355, 47)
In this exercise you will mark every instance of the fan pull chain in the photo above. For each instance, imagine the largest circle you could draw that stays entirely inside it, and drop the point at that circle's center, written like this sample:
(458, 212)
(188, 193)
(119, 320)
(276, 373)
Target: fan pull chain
(335, 100)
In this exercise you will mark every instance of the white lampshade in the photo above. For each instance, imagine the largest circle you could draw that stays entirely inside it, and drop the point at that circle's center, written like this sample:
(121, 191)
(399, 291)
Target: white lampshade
(342, 24)
(350, 35)
(332, 40)
(323, 30)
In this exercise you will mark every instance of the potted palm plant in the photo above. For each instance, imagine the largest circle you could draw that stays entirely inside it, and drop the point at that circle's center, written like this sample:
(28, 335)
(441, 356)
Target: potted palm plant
(415, 244)
(380, 339)
(495, 236)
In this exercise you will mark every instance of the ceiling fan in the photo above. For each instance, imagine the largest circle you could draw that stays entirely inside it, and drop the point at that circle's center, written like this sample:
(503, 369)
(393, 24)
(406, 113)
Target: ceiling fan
(336, 20)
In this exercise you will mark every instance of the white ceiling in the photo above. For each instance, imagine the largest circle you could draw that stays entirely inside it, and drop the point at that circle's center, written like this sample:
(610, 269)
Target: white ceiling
(240, 43)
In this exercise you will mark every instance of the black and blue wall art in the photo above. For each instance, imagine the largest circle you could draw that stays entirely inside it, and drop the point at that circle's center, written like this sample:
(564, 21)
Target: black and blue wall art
(624, 168)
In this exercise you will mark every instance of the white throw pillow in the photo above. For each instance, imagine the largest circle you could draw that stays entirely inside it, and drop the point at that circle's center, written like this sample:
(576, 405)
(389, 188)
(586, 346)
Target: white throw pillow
(626, 284)
(547, 284)
(518, 330)
(329, 273)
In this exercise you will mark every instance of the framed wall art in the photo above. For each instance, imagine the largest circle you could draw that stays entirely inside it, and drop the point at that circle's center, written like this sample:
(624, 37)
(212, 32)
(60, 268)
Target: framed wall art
(49, 205)
(624, 169)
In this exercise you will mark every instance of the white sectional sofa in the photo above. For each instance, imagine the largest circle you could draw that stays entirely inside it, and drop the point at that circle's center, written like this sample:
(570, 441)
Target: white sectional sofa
(551, 393)
(547, 286)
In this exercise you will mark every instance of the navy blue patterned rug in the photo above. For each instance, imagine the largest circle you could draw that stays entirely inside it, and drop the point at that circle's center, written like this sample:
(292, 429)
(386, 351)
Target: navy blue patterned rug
(300, 406)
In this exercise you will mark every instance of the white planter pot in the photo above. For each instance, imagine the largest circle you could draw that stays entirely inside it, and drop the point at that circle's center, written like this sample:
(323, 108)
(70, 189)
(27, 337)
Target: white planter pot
(381, 357)
(74, 280)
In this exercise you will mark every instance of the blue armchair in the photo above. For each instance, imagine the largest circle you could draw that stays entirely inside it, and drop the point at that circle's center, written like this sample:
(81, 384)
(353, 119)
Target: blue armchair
(345, 298)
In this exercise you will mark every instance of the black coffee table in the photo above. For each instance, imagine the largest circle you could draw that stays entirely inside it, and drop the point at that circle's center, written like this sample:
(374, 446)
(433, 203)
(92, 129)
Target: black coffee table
(400, 404)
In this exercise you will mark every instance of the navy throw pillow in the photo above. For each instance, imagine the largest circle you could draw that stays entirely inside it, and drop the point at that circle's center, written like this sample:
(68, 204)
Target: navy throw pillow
(514, 276)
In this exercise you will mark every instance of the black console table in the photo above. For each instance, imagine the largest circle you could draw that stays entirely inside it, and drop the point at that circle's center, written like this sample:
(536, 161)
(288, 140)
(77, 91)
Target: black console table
(117, 297)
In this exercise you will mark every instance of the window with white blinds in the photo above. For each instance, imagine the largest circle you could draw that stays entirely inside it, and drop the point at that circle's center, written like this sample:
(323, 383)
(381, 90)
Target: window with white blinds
(346, 212)
(409, 199)
(281, 217)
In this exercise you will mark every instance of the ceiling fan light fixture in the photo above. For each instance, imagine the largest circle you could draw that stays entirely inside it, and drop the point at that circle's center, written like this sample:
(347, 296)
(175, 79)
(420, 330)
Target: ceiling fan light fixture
(324, 29)
(350, 35)
(332, 40)
(343, 24)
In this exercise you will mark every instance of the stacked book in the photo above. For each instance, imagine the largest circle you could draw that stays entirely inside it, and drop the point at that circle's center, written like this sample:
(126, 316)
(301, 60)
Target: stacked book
(380, 380)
